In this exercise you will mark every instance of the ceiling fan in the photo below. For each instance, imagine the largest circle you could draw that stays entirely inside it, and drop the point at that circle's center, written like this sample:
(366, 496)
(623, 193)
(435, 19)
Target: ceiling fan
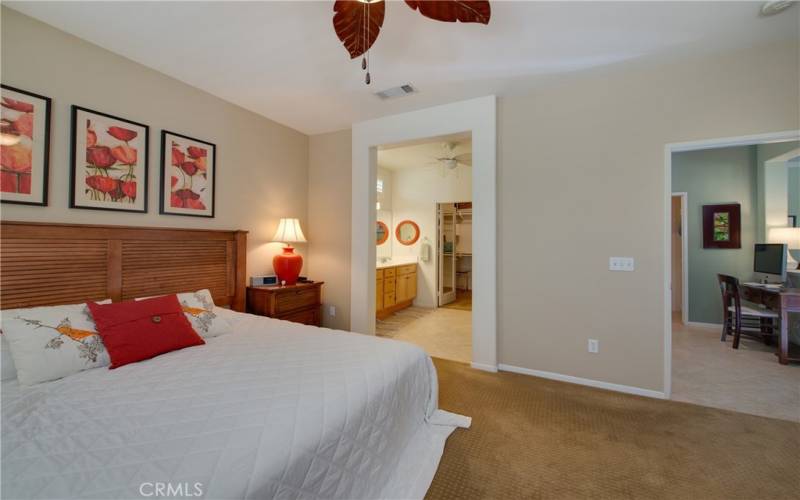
(358, 22)
(450, 161)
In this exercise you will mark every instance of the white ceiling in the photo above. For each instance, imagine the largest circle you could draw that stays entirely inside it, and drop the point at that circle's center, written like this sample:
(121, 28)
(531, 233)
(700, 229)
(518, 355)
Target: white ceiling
(283, 60)
(422, 154)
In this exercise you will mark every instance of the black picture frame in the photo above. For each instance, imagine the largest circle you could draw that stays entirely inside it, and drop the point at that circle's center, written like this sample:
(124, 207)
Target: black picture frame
(73, 165)
(162, 209)
(46, 159)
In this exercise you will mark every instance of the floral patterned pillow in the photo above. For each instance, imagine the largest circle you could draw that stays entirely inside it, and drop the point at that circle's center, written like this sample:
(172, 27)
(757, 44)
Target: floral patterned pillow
(49, 343)
(199, 309)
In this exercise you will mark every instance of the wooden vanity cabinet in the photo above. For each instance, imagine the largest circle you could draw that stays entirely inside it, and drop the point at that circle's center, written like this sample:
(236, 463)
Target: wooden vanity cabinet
(395, 289)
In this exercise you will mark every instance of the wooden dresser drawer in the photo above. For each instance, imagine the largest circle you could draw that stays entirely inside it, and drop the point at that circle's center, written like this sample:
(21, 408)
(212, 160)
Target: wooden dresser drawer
(306, 316)
(300, 303)
(295, 299)
(388, 299)
(389, 285)
(389, 272)
(379, 274)
(411, 268)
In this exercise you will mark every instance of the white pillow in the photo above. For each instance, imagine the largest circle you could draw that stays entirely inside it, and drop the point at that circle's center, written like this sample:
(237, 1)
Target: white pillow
(199, 308)
(7, 369)
(200, 311)
(49, 343)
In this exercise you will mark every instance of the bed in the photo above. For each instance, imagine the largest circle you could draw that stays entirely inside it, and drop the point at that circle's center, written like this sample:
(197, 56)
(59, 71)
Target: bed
(271, 409)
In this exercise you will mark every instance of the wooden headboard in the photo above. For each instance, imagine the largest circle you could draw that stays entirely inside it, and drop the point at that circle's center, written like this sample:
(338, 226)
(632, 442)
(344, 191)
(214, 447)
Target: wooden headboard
(50, 264)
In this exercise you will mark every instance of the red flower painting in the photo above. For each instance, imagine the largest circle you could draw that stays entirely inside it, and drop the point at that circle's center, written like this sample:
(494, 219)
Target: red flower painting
(111, 162)
(187, 182)
(24, 146)
(16, 159)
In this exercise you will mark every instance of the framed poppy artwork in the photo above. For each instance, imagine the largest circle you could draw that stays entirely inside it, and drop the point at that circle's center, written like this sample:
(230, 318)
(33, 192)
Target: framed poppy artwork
(188, 175)
(722, 226)
(108, 162)
(24, 146)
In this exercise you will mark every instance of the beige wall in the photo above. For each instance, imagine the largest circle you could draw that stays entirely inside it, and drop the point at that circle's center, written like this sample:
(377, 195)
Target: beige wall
(581, 178)
(329, 208)
(262, 166)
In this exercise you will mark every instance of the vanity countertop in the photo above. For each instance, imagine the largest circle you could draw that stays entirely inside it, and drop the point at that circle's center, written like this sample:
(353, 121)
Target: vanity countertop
(396, 261)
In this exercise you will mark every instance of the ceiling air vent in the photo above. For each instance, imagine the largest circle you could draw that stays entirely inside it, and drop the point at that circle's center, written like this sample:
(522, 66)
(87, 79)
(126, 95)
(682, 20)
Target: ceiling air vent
(400, 91)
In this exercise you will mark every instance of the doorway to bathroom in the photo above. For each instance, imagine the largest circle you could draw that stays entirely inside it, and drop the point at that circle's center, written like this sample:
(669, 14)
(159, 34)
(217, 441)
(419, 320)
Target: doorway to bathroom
(423, 243)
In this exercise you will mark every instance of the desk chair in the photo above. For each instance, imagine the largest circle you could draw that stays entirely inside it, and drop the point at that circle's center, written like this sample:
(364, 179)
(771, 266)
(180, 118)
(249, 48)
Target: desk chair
(740, 319)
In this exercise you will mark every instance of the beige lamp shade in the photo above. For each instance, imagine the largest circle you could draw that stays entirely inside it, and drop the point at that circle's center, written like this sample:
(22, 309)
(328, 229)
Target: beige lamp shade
(787, 235)
(289, 231)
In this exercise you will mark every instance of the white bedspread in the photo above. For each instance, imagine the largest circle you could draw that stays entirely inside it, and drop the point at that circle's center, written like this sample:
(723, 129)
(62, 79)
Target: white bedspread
(273, 410)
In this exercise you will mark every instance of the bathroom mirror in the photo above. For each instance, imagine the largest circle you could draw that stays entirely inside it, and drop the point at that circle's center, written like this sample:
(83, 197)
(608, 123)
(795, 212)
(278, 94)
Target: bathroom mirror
(382, 233)
(407, 232)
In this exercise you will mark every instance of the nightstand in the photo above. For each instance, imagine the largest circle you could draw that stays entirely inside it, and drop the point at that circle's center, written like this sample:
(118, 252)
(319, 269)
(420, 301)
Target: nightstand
(300, 303)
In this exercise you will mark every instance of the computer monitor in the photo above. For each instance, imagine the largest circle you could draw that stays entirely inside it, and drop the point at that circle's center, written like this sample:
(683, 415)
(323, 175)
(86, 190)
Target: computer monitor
(769, 261)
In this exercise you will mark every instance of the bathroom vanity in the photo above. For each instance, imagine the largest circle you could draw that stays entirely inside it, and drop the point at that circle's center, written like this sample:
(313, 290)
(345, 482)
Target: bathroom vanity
(395, 287)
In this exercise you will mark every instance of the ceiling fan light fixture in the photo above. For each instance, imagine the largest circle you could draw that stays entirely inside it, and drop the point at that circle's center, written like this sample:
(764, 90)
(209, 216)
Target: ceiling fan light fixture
(358, 23)
(775, 7)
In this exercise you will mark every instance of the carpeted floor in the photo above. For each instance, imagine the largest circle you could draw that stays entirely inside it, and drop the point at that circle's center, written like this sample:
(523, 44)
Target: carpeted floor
(537, 438)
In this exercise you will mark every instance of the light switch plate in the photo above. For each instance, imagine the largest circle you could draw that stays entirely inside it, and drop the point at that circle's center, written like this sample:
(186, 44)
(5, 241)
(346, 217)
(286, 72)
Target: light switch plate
(621, 264)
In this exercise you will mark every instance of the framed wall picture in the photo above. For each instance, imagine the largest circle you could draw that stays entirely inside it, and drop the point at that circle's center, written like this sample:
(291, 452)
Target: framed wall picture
(108, 165)
(188, 175)
(722, 226)
(24, 146)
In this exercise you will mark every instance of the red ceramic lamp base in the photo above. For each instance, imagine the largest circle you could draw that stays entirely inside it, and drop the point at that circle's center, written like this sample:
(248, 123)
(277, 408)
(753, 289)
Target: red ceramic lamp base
(287, 265)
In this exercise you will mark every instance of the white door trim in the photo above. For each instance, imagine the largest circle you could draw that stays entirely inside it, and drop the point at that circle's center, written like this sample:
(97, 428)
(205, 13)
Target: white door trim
(478, 116)
(669, 149)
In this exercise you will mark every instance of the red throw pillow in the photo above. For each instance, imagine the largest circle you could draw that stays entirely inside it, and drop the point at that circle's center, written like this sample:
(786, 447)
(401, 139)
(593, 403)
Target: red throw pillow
(137, 330)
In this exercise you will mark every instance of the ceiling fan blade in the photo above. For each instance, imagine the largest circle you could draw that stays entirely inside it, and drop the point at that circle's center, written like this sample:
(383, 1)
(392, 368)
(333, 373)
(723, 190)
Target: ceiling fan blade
(348, 22)
(466, 11)
(465, 159)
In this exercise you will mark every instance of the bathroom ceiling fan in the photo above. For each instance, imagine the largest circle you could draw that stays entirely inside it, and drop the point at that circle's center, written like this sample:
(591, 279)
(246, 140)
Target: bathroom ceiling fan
(358, 22)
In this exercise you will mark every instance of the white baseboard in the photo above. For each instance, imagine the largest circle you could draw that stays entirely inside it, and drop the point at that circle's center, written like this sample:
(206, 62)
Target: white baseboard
(484, 367)
(698, 324)
(585, 381)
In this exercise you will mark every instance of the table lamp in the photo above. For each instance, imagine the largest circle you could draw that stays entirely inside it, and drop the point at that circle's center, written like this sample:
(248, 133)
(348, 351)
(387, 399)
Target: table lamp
(287, 265)
(790, 236)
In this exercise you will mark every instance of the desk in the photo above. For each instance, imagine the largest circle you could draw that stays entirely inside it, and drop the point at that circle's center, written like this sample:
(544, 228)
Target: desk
(783, 301)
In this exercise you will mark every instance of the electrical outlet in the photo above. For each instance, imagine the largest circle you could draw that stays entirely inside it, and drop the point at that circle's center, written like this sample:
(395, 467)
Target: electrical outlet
(594, 345)
(621, 264)
(332, 311)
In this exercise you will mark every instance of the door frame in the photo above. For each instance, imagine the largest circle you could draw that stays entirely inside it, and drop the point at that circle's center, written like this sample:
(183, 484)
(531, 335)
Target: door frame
(669, 150)
(683, 196)
(477, 116)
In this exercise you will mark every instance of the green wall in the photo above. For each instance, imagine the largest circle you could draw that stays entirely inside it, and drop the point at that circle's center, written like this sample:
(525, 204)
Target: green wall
(724, 175)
